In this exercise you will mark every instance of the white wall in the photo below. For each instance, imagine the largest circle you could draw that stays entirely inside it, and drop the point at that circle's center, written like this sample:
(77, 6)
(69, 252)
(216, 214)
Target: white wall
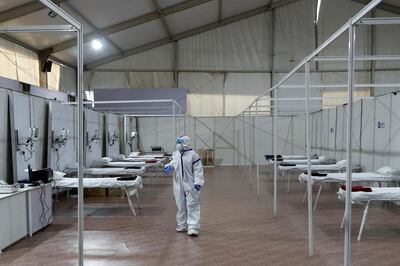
(373, 146)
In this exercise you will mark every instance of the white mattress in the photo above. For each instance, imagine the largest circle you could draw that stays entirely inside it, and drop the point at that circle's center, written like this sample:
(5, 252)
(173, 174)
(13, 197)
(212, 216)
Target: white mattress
(132, 164)
(98, 183)
(147, 156)
(304, 161)
(136, 159)
(356, 177)
(124, 164)
(109, 171)
(294, 157)
(315, 167)
(378, 193)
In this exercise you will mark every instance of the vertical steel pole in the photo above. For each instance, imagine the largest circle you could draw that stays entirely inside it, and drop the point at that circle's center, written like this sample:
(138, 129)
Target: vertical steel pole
(250, 148)
(275, 154)
(244, 145)
(256, 151)
(174, 123)
(308, 147)
(347, 239)
(80, 145)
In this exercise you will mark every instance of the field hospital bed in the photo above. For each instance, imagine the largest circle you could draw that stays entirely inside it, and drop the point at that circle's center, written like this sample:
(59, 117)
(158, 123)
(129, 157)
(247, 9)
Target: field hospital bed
(151, 155)
(383, 194)
(320, 160)
(289, 157)
(105, 172)
(128, 187)
(340, 166)
(379, 176)
(153, 167)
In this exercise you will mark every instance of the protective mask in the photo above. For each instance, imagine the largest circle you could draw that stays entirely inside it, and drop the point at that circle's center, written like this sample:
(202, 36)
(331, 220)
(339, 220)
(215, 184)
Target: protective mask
(179, 147)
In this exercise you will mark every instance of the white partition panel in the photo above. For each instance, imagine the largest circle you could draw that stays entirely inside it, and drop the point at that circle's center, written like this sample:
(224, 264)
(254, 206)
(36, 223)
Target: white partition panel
(5, 171)
(394, 159)
(368, 135)
(60, 154)
(224, 141)
(382, 131)
(331, 132)
(20, 109)
(93, 136)
(112, 135)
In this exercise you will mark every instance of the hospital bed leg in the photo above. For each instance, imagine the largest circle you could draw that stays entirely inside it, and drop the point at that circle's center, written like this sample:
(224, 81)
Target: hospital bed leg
(122, 193)
(137, 198)
(288, 183)
(318, 194)
(130, 201)
(342, 224)
(305, 195)
(364, 221)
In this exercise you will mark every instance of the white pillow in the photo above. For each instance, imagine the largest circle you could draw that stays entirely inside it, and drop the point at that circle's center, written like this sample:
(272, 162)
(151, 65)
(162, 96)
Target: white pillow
(342, 163)
(388, 170)
(323, 158)
(106, 159)
(58, 175)
(135, 153)
(119, 157)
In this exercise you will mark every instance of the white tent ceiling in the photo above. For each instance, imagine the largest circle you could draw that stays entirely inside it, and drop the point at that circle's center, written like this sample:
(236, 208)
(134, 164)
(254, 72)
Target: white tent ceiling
(128, 23)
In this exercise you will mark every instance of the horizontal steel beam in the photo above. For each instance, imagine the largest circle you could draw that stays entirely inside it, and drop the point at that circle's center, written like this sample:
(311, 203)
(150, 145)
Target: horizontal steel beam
(379, 21)
(37, 28)
(123, 102)
(357, 58)
(129, 24)
(382, 6)
(23, 10)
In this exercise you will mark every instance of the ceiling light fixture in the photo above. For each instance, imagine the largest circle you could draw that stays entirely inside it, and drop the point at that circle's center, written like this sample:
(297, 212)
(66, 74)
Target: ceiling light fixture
(52, 14)
(318, 9)
(97, 44)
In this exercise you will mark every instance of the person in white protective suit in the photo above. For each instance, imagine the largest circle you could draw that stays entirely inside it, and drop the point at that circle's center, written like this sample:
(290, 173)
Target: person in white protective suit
(188, 181)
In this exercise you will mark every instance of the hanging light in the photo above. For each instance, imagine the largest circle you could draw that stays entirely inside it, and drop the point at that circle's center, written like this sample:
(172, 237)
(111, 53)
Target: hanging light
(318, 9)
(97, 44)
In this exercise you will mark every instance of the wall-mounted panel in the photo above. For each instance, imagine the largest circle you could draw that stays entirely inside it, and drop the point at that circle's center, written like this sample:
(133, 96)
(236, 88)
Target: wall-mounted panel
(62, 145)
(93, 137)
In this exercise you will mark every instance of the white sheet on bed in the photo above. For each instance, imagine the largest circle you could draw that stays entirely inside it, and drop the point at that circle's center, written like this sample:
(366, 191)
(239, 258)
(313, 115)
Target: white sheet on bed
(131, 164)
(356, 177)
(378, 193)
(315, 167)
(152, 155)
(109, 171)
(98, 183)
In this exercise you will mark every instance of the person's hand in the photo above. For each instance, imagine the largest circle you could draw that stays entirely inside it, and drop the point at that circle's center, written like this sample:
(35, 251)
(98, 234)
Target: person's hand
(168, 169)
(197, 187)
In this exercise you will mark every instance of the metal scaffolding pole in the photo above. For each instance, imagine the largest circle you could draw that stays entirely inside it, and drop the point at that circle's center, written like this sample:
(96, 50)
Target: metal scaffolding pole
(275, 156)
(308, 147)
(174, 122)
(256, 151)
(250, 149)
(244, 144)
(347, 220)
(80, 146)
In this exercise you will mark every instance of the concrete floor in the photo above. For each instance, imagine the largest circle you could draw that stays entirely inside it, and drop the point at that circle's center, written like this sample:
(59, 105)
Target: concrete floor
(237, 229)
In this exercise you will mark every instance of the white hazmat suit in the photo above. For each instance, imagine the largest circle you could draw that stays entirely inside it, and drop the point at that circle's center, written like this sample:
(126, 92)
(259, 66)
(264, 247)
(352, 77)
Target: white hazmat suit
(188, 180)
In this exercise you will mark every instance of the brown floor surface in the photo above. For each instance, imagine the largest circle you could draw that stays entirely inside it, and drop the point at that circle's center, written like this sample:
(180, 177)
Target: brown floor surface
(237, 229)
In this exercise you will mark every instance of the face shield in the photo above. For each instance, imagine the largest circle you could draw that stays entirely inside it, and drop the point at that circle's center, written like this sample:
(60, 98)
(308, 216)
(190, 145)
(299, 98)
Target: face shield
(182, 143)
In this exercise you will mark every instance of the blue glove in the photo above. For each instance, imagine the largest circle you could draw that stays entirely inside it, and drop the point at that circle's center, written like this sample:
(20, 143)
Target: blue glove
(168, 169)
(197, 187)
